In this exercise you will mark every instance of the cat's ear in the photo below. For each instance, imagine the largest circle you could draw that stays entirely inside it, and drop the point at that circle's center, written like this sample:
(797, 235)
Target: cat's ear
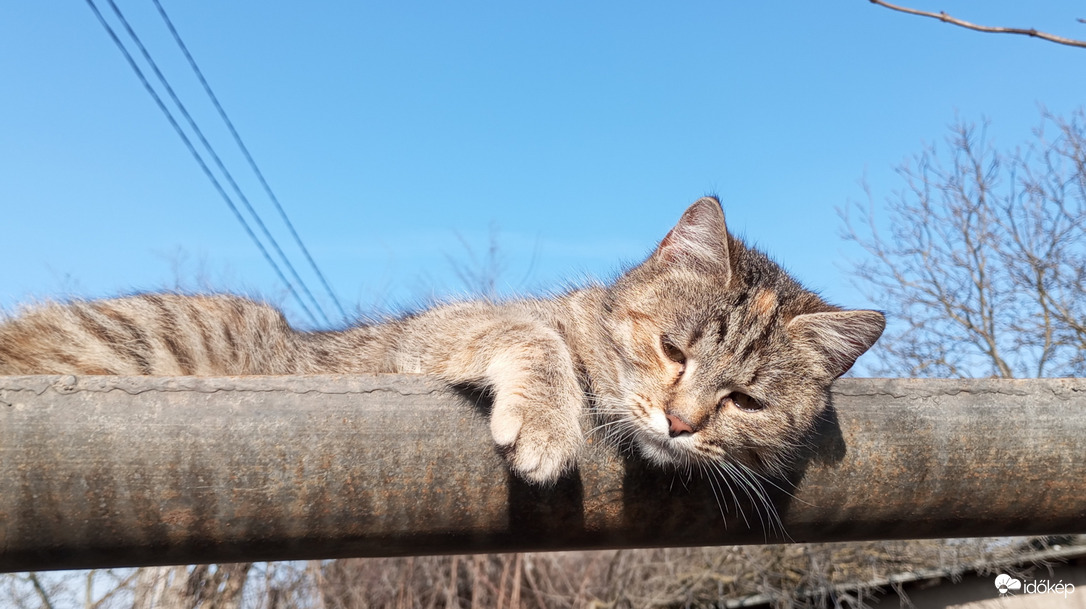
(699, 239)
(840, 336)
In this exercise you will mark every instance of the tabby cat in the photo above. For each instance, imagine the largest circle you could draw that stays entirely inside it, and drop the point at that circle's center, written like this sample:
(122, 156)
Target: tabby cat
(706, 353)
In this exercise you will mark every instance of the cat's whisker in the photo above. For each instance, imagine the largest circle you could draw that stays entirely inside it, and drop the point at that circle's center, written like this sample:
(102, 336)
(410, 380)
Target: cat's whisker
(752, 476)
(745, 486)
(720, 505)
(757, 495)
(763, 502)
(726, 479)
(623, 436)
(772, 481)
(608, 424)
(619, 425)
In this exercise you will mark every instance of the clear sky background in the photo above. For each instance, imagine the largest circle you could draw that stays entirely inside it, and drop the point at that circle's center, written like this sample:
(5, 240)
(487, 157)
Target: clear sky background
(395, 132)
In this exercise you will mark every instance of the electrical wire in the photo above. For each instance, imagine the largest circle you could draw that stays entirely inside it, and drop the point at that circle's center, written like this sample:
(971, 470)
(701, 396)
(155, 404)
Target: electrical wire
(248, 156)
(196, 155)
(218, 162)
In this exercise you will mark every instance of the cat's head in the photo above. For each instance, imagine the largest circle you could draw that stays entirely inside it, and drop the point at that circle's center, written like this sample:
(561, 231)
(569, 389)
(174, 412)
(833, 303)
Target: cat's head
(720, 355)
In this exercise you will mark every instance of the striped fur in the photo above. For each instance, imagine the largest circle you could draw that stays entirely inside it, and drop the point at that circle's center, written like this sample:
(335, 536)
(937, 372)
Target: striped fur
(707, 354)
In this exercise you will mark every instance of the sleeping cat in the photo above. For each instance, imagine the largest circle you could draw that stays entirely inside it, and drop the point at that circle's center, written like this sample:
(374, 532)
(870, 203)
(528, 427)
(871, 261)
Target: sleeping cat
(706, 354)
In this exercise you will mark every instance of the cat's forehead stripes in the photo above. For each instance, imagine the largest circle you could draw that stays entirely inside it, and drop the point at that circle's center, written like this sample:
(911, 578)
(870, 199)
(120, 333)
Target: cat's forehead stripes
(755, 339)
(699, 331)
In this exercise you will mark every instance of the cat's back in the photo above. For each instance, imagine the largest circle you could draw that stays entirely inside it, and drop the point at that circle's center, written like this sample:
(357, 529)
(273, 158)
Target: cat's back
(148, 334)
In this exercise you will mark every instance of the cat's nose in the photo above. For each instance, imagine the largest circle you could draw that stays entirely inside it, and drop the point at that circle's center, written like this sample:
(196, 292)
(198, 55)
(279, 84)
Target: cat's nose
(677, 426)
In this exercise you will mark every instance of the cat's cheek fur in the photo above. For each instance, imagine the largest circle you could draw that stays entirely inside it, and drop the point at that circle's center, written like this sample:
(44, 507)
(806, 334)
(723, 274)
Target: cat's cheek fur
(657, 423)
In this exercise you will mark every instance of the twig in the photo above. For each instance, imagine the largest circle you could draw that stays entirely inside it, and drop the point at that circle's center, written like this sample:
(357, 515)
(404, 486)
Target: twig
(33, 578)
(945, 18)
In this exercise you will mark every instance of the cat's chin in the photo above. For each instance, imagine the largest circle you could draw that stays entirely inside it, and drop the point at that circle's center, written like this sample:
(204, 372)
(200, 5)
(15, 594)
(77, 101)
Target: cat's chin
(663, 450)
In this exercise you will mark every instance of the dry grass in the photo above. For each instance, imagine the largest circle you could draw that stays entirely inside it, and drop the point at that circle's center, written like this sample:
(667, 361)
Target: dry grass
(811, 575)
(819, 575)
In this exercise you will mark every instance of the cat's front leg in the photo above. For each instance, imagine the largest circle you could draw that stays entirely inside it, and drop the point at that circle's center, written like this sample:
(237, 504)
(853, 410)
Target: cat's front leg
(537, 406)
(538, 401)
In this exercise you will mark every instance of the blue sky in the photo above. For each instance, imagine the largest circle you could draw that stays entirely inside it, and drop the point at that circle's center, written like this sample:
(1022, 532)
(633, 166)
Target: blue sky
(394, 131)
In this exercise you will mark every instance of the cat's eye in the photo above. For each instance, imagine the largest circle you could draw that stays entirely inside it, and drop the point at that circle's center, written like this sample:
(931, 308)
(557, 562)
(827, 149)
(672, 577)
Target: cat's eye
(742, 401)
(672, 352)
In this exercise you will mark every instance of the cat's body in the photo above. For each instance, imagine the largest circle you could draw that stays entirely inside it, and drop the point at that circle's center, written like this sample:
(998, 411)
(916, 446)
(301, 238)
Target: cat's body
(707, 353)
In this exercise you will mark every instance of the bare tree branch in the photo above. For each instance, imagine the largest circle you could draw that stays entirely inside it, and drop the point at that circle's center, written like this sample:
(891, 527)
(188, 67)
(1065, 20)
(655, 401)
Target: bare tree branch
(983, 270)
(40, 590)
(945, 18)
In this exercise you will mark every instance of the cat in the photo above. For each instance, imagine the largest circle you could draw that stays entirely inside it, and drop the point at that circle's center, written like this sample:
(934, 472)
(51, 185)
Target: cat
(706, 354)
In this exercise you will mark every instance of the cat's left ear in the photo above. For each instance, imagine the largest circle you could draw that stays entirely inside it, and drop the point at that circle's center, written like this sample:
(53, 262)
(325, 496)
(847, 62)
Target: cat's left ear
(839, 336)
(699, 239)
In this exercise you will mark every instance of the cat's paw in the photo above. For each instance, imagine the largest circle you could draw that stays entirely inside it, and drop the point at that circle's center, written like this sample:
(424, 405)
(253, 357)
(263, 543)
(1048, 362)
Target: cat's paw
(540, 441)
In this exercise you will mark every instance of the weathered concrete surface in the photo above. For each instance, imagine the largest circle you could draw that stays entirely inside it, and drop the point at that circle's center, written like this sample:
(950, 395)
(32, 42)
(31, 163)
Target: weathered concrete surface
(105, 471)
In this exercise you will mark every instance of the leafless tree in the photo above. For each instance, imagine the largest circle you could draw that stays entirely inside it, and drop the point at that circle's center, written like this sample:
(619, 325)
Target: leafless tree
(180, 587)
(812, 575)
(981, 258)
(217, 586)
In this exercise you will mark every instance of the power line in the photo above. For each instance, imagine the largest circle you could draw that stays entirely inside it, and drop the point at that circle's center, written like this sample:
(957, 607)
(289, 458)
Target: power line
(218, 162)
(248, 157)
(203, 165)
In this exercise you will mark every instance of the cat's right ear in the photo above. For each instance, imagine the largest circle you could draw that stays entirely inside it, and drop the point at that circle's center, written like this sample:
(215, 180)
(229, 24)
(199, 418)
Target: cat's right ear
(839, 336)
(700, 239)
